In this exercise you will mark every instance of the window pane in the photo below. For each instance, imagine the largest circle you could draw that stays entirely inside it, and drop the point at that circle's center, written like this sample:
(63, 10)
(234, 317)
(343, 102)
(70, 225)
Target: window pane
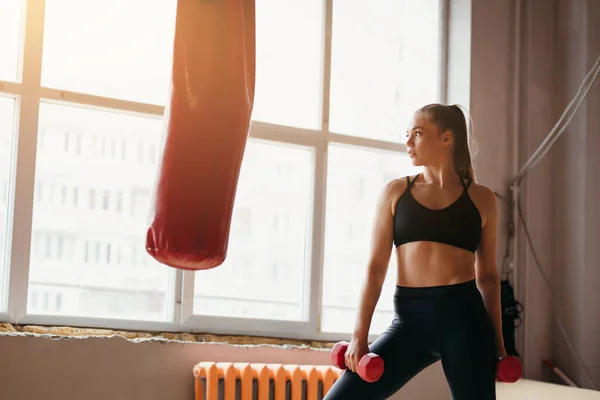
(111, 48)
(10, 38)
(264, 275)
(93, 185)
(385, 64)
(289, 62)
(7, 118)
(355, 179)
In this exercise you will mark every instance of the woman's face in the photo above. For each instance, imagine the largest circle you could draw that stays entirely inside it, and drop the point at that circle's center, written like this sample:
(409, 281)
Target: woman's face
(425, 142)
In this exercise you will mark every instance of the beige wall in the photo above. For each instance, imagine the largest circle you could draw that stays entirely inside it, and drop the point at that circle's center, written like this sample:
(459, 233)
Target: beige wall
(34, 368)
(560, 40)
(576, 222)
(538, 113)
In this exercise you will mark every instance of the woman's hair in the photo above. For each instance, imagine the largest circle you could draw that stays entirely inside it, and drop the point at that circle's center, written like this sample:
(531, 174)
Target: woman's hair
(451, 118)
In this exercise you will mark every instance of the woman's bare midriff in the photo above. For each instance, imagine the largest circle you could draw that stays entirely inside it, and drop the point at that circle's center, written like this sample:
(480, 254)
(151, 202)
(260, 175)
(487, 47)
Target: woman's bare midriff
(422, 264)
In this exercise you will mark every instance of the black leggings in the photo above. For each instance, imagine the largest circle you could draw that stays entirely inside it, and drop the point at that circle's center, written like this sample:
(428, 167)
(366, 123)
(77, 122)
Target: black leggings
(449, 323)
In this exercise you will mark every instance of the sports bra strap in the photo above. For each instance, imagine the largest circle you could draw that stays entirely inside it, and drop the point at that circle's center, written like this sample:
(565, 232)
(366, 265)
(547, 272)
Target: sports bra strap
(409, 182)
(466, 185)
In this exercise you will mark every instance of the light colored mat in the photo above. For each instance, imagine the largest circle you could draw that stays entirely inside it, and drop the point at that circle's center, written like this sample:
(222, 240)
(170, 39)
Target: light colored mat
(526, 389)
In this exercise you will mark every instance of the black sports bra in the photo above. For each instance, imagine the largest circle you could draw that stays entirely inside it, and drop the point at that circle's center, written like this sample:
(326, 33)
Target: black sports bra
(457, 225)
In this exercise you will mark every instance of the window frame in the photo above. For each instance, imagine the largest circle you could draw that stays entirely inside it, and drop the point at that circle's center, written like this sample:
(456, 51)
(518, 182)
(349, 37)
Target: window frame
(28, 95)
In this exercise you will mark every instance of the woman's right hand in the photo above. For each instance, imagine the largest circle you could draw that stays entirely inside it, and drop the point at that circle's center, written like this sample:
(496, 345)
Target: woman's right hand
(356, 350)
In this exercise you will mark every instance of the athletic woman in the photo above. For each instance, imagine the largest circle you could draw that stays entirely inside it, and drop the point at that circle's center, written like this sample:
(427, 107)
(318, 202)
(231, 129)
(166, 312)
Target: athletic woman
(447, 297)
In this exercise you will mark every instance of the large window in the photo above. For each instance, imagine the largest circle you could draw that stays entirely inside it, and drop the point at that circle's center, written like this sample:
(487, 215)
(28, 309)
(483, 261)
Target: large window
(385, 63)
(93, 186)
(121, 48)
(81, 130)
(264, 273)
(289, 68)
(7, 130)
(355, 178)
(10, 38)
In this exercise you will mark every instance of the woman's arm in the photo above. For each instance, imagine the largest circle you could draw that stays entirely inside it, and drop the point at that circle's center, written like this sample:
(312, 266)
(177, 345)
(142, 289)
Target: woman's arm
(488, 280)
(379, 258)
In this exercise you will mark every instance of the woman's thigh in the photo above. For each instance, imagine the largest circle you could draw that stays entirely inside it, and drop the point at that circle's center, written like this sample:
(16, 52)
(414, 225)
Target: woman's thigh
(404, 354)
(469, 354)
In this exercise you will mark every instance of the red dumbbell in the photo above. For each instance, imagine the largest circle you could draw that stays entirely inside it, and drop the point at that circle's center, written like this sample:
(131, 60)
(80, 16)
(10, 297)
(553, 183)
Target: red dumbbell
(370, 366)
(509, 369)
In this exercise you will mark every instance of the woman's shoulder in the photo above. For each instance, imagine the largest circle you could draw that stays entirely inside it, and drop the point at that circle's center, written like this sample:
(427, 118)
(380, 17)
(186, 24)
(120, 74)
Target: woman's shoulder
(483, 197)
(482, 191)
(395, 187)
(393, 190)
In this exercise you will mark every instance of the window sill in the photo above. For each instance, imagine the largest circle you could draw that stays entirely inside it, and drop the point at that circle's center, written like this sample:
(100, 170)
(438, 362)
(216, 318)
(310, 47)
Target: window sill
(71, 332)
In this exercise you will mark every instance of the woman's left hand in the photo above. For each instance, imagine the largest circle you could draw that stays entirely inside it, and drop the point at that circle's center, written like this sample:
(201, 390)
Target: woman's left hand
(502, 353)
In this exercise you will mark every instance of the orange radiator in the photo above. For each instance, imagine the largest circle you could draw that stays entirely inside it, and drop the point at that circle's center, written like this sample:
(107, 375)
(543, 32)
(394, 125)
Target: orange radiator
(243, 381)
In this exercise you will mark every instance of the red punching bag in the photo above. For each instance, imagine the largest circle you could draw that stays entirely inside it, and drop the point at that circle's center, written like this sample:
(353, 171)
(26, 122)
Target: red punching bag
(208, 118)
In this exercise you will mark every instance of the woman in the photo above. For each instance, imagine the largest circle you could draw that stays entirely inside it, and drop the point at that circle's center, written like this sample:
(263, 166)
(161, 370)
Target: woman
(447, 299)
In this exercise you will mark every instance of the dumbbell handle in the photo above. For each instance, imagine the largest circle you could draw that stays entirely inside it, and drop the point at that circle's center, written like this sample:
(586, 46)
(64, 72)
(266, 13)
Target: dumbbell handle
(509, 369)
(370, 367)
